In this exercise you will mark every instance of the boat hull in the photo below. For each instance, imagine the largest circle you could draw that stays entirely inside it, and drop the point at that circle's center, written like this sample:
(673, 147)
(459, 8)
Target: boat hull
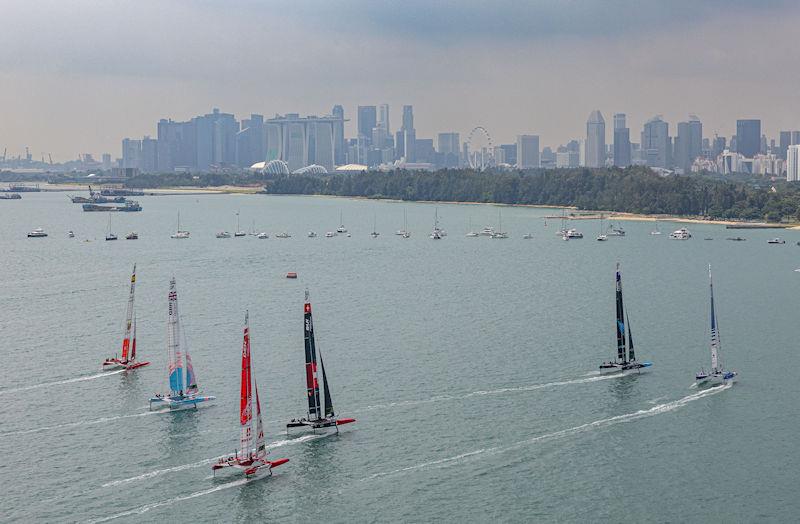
(115, 365)
(325, 426)
(176, 403)
(715, 379)
(624, 369)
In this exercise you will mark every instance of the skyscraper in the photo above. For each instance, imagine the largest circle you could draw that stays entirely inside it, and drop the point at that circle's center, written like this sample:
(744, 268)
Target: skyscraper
(131, 152)
(527, 151)
(622, 141)
(251, 142)
(407, 136)
(367, 120)
(383, 118)
(449, 149)
(148, 161)
(595, 140)
(748, 137)
(793, 163)
(301, 141)
(339, 151)
(655, 143)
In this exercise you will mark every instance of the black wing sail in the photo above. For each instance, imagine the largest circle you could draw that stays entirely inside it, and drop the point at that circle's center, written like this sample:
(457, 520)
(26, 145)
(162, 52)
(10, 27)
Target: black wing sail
(620, 320)
(312, 386)
(328, 401)
(631, 354)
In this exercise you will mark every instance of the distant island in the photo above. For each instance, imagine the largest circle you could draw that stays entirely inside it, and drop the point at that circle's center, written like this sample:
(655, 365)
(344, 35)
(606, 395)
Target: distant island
(632, 190)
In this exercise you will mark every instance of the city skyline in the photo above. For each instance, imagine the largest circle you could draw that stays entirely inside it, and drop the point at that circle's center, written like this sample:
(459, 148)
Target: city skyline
(88, 81)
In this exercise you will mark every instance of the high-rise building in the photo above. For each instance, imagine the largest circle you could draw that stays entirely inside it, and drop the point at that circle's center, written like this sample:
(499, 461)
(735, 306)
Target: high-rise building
(339, 151)
(622, 141)
(131, 153)
(106, 161)
(595, 140)
(383, 118)
(367, 120)
(148, 161)
(688, 144)
(251, 142)
(655, 143)
(408, 117)
(509, 153)
(748, 137)
(449, 148)
(301, 142)
(527, 151)
(406, 138)
(793, 163)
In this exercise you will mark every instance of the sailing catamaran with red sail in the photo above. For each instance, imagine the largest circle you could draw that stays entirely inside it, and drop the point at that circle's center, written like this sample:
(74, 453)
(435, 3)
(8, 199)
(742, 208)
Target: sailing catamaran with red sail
(184, 393)
(321, 416)
(626, 357)
(128, 360)
(251, 458)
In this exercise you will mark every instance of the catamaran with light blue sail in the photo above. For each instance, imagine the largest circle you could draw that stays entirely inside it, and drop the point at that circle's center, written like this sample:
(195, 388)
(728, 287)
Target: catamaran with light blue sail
(717, 375)
(184, 392)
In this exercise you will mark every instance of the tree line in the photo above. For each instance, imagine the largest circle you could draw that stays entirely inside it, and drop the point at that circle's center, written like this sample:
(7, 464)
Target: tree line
(631, 190)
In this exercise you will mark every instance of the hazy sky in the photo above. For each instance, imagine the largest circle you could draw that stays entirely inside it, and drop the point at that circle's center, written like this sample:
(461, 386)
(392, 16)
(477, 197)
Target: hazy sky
(77, 76)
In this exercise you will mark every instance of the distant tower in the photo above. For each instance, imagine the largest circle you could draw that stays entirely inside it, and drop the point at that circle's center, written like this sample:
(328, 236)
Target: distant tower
(338, 136)
(527, 151)
(748, 137)
(595, 140)
(622, 141)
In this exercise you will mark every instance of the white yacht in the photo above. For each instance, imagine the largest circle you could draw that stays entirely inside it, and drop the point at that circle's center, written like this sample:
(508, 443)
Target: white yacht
(239, 232)
(312, 234)
(223, 234)
(487, 231)
(283, 235)
(602, 237)
(179, 233)
(70, 234)
(330, 234)
(262, 235)
(341, 228)
(37, 233)
(573, 233)
(499, 233)
(680, 234)
(437, 233)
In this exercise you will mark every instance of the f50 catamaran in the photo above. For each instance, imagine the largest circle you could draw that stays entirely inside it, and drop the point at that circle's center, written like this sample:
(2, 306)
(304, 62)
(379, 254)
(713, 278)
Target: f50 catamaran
(128, 360)
(321, 417)
(184, 392)
(717, 375)
(250, 459)
(626, 357)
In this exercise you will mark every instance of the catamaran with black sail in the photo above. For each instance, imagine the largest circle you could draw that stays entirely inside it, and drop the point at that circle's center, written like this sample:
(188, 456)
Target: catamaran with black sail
(251, 457)
(321, 417)
(128, 359)
(626, 357)
(717, 375)
(184, 393)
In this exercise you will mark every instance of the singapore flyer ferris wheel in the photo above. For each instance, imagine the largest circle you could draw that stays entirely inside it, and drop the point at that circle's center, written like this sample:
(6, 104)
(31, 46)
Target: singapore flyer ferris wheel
(480, 151)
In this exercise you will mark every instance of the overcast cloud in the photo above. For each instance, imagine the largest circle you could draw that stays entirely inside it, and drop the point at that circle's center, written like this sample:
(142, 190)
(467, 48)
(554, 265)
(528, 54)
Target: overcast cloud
(78, 76)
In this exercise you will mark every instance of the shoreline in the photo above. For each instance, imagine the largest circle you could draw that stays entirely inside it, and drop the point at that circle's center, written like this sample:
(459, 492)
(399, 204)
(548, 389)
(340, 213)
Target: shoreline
(574, 214)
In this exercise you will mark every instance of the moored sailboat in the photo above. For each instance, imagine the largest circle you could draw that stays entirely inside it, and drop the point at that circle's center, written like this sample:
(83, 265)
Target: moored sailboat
(128, 359)
(251, 457)
(184, 392)
(626, 357)
(321, 417)
(717, 375)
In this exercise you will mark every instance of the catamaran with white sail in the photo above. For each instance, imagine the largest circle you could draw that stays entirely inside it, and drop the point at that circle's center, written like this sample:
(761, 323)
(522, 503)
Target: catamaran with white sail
(184, 393)
(321, 417)
(717, 375)
(626, 357)
(128, 359)
(251, 457)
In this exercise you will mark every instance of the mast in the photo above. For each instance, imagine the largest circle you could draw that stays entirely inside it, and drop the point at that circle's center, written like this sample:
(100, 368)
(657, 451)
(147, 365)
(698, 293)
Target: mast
(246, 398)
(312, 386)
(620, 319)
(237, 221)
(715, 342)
(126, 340)
(631, 354)
(191, 377)
(176, 384)
(133, 341)
(261, 444)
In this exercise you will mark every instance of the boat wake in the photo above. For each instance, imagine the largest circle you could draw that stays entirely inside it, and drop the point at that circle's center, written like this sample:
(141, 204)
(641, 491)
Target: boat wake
(61, 382)
(520, 389)
(665, 407)
(76, 423)
(144, 509)
(204, 462)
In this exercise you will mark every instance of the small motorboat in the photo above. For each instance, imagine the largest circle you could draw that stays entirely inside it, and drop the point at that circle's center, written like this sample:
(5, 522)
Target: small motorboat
(527, 236)
(223, 234)
(283, 235)
(291, 274)
(262, 235)
(111, 236)
(574, 233)
(133, 235)
(680, 234)
(776, 241)
(330, 234)
(37, 233)
(70, 234)
(240, 234)
(312, 234)
(602, 238)
(736, 239)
